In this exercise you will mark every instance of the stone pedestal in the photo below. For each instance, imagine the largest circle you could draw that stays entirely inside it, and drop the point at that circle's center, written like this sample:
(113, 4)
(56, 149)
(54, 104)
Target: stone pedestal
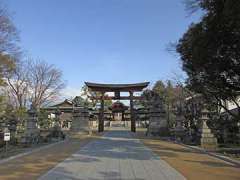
(80, 122)
(208, 141)
(158, 122)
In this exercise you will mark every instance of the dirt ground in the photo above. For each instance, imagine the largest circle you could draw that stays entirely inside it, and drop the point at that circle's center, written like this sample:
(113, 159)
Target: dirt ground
(193, 164)
(37, 163)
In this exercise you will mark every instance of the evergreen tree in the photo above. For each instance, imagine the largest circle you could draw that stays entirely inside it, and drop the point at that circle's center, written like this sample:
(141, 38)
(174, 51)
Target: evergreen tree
(210, 51)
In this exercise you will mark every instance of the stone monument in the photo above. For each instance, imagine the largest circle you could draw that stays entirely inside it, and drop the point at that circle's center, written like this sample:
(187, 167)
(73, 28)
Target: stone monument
(80, 122)
(157, 121)
(179, 130)
(208, 140)
(32, 132)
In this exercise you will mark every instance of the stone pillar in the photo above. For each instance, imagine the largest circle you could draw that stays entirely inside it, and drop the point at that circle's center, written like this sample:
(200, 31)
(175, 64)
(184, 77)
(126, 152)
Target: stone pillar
(101, 115)
(80, 122)
(208, 141)
(123, 119)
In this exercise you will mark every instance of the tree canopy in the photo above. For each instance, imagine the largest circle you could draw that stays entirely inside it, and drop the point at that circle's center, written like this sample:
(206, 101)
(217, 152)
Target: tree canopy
(6, 66)
(87, 93)
(210, 50)
(8, 41)
(33, 82)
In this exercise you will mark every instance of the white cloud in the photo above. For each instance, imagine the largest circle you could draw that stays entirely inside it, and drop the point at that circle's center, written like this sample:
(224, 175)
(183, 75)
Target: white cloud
(71, 92)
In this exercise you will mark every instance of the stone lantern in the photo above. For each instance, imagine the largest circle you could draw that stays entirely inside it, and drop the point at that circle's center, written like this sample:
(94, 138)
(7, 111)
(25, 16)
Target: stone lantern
(31, 130)
(179, 130)
(208, 140)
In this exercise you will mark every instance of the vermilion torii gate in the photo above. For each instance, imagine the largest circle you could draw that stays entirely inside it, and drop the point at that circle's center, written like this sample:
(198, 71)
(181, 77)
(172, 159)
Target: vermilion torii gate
(117, 89)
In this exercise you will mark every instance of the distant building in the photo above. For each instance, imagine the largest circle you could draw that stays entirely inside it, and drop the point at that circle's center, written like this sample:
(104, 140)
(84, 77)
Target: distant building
(65, 108)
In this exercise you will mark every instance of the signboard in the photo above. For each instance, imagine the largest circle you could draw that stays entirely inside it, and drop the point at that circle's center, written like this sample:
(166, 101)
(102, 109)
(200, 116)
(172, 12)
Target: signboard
(117, 94)
(7, 136)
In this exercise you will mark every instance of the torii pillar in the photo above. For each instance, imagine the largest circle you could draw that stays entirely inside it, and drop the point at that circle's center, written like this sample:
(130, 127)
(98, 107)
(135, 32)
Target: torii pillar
(101, 115)
(133, 123)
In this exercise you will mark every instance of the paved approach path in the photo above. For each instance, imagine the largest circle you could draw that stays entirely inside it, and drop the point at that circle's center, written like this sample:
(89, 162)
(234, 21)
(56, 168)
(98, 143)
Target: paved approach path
(114, 156)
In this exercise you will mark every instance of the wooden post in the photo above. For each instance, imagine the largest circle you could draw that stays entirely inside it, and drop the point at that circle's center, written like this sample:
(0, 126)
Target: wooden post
(101, 115)
(102, 112)
(133, 124)
(123, 119)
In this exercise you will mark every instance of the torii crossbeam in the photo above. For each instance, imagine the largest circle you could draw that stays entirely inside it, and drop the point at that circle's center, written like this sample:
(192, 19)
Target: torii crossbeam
(117, 89)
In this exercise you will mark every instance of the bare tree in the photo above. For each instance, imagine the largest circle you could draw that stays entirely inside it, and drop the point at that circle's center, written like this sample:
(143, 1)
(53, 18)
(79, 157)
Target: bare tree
(8, 44)
(34, 82)
(8, 52)
(6, 67)
(18, 85)
(45, 82)
(8, 33)
(192, 6)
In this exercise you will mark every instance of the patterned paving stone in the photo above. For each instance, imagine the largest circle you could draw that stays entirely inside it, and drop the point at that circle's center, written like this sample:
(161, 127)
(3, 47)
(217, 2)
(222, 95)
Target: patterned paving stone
(115, 156)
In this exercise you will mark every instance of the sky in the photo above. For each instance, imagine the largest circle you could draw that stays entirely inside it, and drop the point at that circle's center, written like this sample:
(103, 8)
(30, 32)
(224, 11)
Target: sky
(104, 41)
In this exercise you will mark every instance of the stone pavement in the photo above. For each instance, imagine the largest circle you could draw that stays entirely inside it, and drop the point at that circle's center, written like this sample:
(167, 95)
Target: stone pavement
(114, 156)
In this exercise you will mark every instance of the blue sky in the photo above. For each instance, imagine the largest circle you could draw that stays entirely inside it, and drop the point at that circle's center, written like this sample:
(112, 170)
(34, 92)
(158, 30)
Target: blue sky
(108, 41)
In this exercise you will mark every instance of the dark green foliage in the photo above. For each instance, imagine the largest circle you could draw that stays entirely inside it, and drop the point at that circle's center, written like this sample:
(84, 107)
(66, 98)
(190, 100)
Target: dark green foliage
(210, 55)
(79, 101)
(43, 120)
(159, 88)
(210, 50)
(87, 93)
(172, 96)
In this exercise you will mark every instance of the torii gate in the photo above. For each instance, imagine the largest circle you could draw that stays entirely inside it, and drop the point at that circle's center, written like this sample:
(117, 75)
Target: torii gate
(116, 88)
